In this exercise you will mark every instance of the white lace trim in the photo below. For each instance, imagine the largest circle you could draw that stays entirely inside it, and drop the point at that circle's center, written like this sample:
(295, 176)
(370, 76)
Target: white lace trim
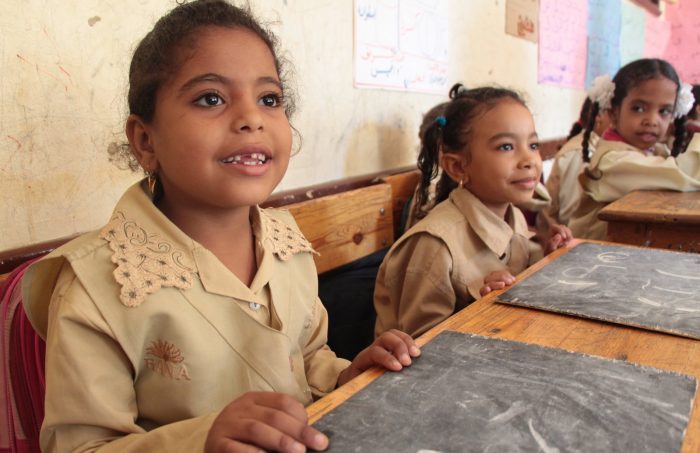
(145, 262)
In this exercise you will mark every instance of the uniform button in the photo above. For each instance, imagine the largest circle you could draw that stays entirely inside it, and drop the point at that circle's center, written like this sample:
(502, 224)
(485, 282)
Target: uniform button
(254, 306)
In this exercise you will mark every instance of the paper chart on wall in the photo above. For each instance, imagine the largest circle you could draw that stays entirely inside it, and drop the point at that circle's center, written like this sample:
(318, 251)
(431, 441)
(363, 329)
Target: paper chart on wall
(401, 45)
(522, 19)
(604, 24)
(657, 34)
(563, 25)
(683, 49)
(631, 33)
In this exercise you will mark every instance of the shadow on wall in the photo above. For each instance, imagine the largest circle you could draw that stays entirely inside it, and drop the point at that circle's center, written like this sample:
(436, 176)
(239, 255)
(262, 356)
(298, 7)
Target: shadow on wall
(381, 146)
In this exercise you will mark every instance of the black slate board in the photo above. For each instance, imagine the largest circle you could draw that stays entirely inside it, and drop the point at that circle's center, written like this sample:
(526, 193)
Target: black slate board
(468, 393)
(649, 288)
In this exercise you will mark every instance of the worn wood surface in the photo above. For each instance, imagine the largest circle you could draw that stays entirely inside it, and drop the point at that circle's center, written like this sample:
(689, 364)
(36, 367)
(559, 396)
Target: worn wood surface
(348, 225)
(488, 318)
(660, 219)
(403, 185)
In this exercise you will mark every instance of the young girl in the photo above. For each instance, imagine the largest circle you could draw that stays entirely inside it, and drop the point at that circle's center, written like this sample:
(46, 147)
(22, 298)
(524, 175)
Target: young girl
(562, 184)
(474, 240)
(191, 321)
(643, 99)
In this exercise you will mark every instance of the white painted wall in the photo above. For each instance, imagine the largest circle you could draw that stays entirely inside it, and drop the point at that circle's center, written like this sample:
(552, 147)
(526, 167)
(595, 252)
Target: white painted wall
(63, 88)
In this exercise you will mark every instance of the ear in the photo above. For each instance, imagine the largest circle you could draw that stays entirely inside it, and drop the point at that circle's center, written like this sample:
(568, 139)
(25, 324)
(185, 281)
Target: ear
(137, 131)
(455, 165)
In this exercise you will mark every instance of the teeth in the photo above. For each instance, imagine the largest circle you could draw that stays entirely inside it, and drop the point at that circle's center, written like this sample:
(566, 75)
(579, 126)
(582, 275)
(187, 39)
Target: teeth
(250, 159)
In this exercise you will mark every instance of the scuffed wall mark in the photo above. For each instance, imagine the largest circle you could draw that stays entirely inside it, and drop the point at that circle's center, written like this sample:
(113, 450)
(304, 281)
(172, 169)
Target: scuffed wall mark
(19, 144)
(93, 20)
(66, 73)
(39, 69)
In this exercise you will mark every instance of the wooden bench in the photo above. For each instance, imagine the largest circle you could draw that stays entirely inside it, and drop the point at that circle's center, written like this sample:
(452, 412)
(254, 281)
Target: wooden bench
(344, 220)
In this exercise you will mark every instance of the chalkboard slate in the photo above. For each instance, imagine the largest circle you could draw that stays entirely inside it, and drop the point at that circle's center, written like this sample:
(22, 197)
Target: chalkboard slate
(649, 288)
(470, 393)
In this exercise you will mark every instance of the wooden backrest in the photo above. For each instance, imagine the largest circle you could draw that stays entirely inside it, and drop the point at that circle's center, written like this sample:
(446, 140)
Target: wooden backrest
(403, 186)
(346, 226)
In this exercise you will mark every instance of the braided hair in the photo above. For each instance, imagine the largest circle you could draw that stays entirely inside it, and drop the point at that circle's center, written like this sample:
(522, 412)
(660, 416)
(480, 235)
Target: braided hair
(450, 133)
(627, 78)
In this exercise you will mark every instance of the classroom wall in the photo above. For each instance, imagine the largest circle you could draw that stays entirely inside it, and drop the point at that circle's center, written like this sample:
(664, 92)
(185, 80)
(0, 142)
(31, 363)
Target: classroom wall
(63, 88)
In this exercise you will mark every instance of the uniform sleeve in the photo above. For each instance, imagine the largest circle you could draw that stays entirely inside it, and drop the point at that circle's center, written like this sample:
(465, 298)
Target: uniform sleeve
(321, 364)
(625, 171)
(90, 402)
(413, 291)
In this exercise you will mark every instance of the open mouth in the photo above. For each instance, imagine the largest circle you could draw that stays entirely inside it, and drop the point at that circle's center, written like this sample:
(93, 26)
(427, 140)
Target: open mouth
(249, 159)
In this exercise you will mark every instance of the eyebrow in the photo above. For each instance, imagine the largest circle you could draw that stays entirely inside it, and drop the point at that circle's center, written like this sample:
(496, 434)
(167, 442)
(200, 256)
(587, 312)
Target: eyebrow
(218, 78)
(510, 135)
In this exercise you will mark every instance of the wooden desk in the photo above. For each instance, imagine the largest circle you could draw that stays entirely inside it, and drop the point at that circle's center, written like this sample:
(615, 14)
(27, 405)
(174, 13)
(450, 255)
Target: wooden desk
(485, 317)
(661, 219)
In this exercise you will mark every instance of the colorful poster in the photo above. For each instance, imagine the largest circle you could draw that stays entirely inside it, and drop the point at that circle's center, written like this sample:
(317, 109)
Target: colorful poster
(683, 49)
(631, 33)
(522, 19)
(401, 45)
(562, 49)
(604, 23)
(657, 34)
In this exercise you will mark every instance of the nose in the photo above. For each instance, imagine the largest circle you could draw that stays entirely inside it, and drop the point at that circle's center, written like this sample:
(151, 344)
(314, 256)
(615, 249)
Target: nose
(652, 118)
(247, 116)
(527, 157)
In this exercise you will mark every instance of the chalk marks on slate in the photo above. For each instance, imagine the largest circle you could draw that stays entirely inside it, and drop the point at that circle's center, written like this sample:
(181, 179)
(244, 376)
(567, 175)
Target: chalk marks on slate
(648, 288)
(468, 393)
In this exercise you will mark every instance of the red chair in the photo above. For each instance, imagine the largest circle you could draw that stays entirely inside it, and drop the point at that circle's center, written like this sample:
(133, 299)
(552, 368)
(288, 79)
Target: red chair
(22, 375)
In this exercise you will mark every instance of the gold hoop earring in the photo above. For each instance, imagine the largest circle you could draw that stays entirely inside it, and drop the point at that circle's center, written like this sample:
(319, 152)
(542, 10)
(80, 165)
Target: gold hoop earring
(461, 184)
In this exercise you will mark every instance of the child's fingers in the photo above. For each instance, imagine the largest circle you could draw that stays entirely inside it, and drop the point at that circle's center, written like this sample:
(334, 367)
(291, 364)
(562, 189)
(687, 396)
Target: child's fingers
(485, 290)
(413, 348)
(278, 435)
(394, 343)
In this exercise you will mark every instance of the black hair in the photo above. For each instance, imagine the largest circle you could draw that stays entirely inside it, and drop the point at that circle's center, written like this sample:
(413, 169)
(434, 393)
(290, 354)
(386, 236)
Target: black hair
(164, 48)
(450, 133)
(696, 95)
(627, 78)
(577, 127)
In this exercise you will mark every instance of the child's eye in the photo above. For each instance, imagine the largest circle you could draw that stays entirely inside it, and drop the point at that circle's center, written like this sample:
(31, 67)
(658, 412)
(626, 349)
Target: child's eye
(637, 108)
(505, 147)
(209, 100)
(271, 100)
(665, 112)
(534, 146)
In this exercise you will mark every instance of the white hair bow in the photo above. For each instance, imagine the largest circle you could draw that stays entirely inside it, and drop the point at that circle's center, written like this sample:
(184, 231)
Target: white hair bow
(602, 91)
(684, 101)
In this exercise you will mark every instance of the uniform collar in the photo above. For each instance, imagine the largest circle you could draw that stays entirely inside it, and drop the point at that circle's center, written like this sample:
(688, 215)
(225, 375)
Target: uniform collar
(495, 232)
(151, 252)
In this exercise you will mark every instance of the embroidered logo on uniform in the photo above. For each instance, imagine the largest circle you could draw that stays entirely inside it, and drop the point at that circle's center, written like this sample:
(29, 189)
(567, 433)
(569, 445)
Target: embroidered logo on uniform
(166, 359)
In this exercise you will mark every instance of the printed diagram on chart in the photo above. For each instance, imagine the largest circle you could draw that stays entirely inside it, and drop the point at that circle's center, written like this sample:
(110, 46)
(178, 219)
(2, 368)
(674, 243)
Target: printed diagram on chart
(401, 45)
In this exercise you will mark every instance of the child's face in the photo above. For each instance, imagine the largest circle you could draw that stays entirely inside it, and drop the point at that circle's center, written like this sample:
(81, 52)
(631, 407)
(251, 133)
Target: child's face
(646, 112)
(220, 134)
(503, 164)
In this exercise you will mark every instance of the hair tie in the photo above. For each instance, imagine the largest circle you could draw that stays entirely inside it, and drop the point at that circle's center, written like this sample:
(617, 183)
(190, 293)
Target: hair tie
(602, 91)
(684, 101)
(441, 120)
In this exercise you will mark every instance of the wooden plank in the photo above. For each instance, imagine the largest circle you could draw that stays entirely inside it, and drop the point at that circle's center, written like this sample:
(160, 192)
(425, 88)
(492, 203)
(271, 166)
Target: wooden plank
(488, 318)
(348, 225)
(660, 219)
(403, 186)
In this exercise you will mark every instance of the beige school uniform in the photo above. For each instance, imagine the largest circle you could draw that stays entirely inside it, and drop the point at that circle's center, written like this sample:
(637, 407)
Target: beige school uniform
(563, 184)
(439, 265)
(149, 335)
(618, 168)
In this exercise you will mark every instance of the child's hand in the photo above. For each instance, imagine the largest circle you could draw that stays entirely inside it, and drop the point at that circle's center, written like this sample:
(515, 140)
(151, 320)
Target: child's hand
(392, 350)
(263, 420)
(559, 236)
(496, 280)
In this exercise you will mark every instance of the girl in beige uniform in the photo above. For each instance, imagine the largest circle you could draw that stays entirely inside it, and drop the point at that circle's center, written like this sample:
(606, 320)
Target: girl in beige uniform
(562, 184)
(191, 321)
(643, 99)
(474, 240)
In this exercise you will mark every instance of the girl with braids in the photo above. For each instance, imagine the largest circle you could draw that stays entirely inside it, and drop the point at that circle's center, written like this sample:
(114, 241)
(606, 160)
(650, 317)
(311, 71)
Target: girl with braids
(643, 99)
(191, 322)
(562, 184)
(474, 240)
